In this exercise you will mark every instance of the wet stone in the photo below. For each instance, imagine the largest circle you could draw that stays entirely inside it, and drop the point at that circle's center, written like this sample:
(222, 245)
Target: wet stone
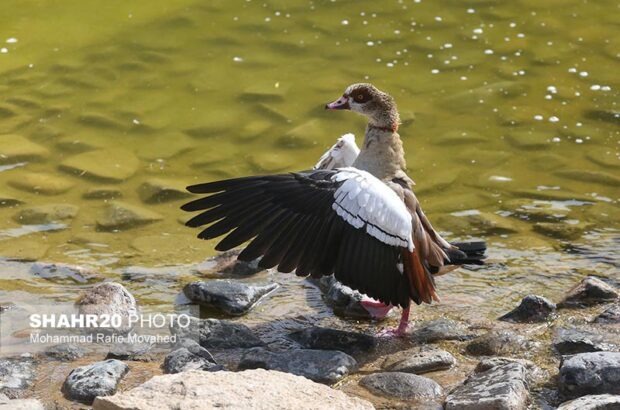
(23, 250)
(45, 214)
(322, 338)
(61, 271)
(590, 373)
(323, 366)
(227, 263)
(113, 165)
(604, 157)
(233, 298)
(102, 192)
(97, 120)
(17, 374)
(499, 343)
(499, 388)
(595, 177)
(40, 183)
(76, 145)
(189, 355)
(264, 92)
(7, 200)
(419, 360)
(532, 308)
(571, 341)
(345, 301)
(610, 116)
(98, 379)
(15, 148)
(560, 230)
(20, 404)
(65, 352)
(593, 402)
(609, 315)
(528, 140)
(441, 329)
(218, 334)
(270, 162)
(109, 298)
(590, 291)
(137, 352)
(301, 136)
(534, 373)
(121, 215)
(156, 190)
(405, 386)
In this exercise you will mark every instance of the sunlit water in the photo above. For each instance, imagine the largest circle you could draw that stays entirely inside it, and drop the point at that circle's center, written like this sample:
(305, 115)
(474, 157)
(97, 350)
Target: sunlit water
(510, 122)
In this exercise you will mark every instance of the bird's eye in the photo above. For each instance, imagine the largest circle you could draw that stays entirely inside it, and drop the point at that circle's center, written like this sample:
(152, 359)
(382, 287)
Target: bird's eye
(360, 98)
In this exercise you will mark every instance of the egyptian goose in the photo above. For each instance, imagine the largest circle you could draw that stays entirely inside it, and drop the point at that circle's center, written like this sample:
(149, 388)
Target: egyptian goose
(356, 218)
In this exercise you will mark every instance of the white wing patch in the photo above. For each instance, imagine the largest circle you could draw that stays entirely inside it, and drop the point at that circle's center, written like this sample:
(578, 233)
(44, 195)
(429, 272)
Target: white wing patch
(342, 154)
(364, 201)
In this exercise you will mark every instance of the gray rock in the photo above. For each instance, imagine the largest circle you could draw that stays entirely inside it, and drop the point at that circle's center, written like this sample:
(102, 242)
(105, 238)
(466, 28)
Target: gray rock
(218, 334)
(441, 329)
(65, 352)
(534, 373)
(573, 340)
(109, 298)
(16, 375)
(85, 383)
(419, 360)
(344, 300)
(324, 366)
(590, 291)
(498, 343)
(189, 355)
(45, 214)
(61, 271)
(609, 315)
(332, 339)
(593, 402)
(499, 388)
(227, 263)
(20, 404)
(532, 308)
(120, 215)
(233, 298)
(405, 386)
(590, 373)
(137, 352)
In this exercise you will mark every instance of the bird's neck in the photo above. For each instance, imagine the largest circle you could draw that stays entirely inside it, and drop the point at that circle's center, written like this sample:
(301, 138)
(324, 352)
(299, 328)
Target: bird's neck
(382, 153)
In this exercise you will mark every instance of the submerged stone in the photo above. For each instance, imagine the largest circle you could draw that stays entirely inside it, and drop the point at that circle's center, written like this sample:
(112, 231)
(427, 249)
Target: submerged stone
(590, 291)
(15, 148)
(7, 200)
(499, 343)
(405, 386)
(65, 352)
(419, 360)
(156, 190)
(55, 271)
(590, 373)
(572, 340)
(218, 334)
(137, 352)
(595, 177)
(40, 183)
(121, 215)
(102, 192)
(532, 308)
(332, 339)
(85, 383)
(113, 165)
(560, 230)
(233, 298)
(189, 355)
(529, 140)
(45, 214)
(441, 329)
(227, 263)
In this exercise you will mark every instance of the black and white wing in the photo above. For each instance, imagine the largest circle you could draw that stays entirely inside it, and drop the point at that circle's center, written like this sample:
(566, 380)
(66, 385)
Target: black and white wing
(343, 221)
(341, 155)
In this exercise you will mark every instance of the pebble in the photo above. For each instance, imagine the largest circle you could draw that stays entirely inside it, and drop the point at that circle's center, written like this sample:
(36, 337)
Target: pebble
(441, 329)
(230, 297)
(111, 165)
(65, 352)
(157, 190)
(419, 360)
(17, 374)
(218, 334)
(405, 386)
(45, 214)
(61, 271)
(590, 291)
(121, 215)
(323, 366)
(102, 192)
(590, 373)
(137, 352)
(85, 383)
(189, 355)
(7, 200)
(533, 308)
(15, 148)
(322, 338)
(40, 183)
(499, 388)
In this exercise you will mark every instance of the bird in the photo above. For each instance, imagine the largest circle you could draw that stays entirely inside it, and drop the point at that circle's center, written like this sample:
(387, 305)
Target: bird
(354, 215)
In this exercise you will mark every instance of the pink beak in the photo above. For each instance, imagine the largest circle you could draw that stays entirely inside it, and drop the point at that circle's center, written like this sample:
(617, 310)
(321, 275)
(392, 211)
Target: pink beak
(341, 103)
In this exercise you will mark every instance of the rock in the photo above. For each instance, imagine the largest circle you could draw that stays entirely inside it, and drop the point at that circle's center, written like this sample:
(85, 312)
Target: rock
(344, 300)
(590, 291)
(15, 148)
(250, 389)
(233, 298)
(45, 214)
(189, 356)
(301, 136)
(102, 192)
(441, 329)
(120, 215)
(40, 183)
(560, 230)
(590, 373)
(324, 366)
(270, 162)
(85, 383)
(7, 200)
(61, 271)
(137, 352)
(20, 404)
(23, 249)
(16, 375)
(593, 402)
(499, 388)
(529, 140)
(111, 165)
(227, 263)
(332, 339)
(609, 315)
(532, 308)
(596, 177)
(498, 343)
(534, 373)
(572, 340)
(65, 352)
(404, 386)
(218, 334)
(109, 298)
(419, 360)
(156, 190)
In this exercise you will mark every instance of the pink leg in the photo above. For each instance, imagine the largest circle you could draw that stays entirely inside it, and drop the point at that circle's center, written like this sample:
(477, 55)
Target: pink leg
(376, 309)
(401, 330)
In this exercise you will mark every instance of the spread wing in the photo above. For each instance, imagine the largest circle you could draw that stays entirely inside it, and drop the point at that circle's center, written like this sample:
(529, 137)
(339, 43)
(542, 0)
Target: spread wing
(342, 154)
(319, 222)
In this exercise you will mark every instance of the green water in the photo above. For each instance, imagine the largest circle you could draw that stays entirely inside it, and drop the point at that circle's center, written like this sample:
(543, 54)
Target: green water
(510, 122)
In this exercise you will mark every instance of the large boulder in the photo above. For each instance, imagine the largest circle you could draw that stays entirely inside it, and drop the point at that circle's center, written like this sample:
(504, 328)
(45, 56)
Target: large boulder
(251, 389)
(189, 355)
(217, 334)
(590, 373)
(233, 298)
